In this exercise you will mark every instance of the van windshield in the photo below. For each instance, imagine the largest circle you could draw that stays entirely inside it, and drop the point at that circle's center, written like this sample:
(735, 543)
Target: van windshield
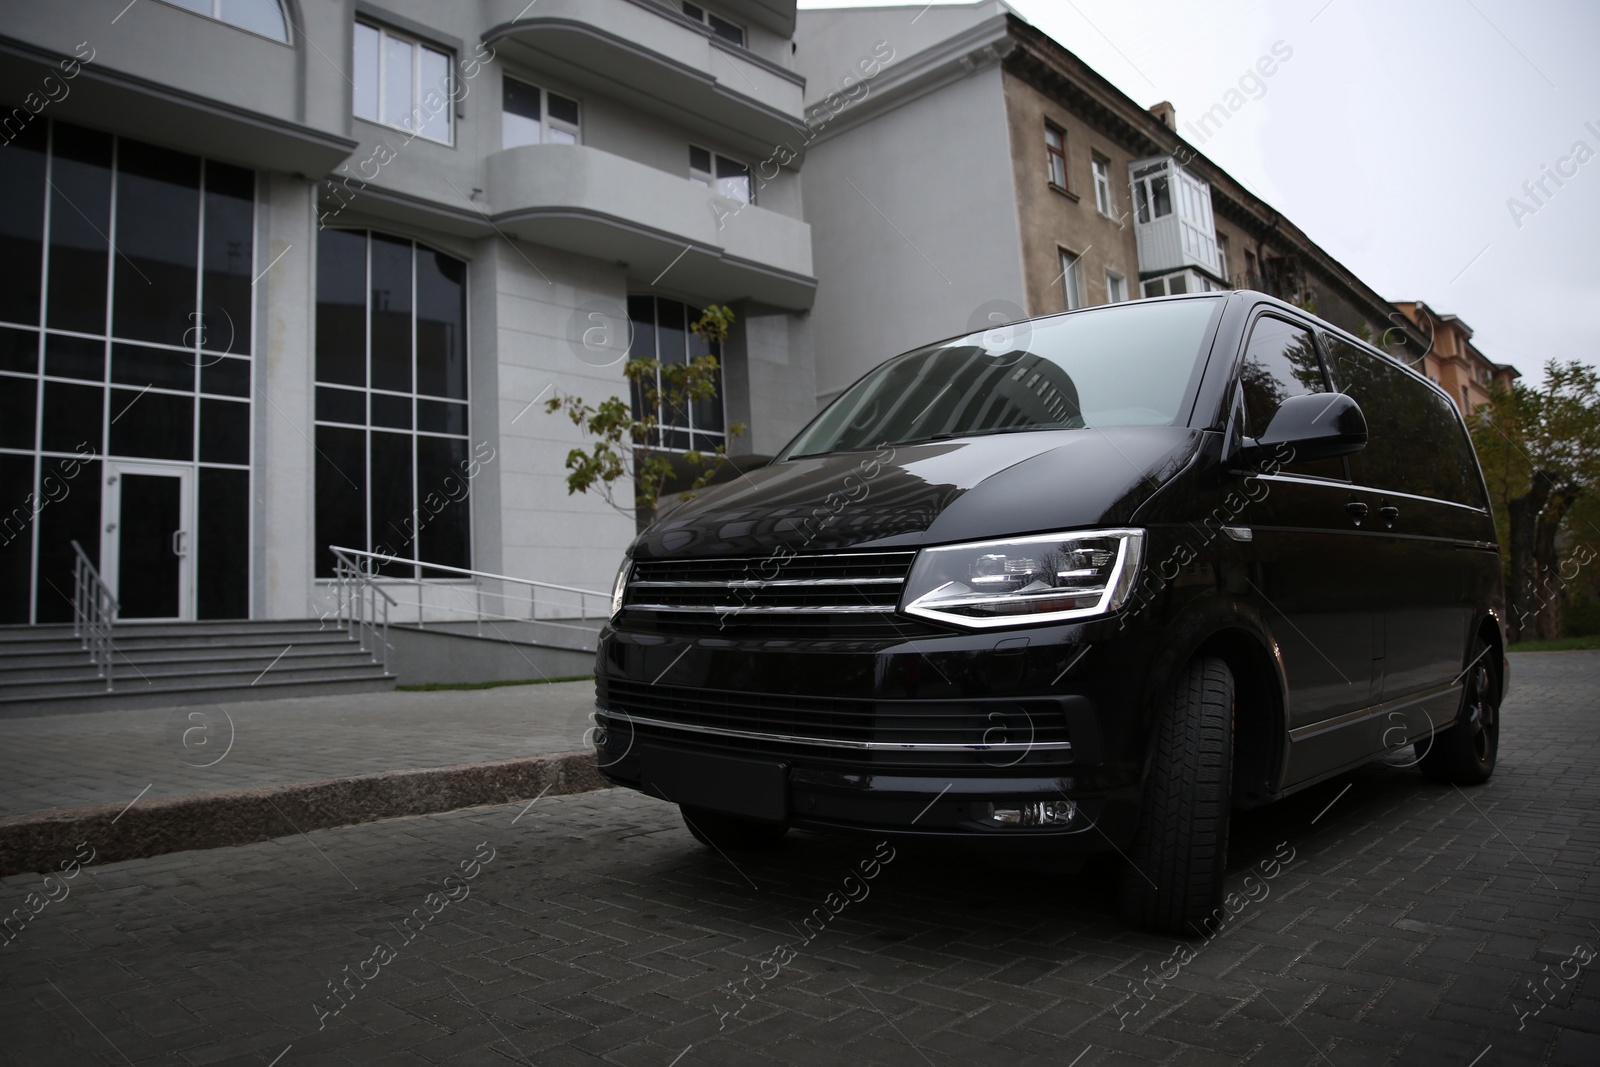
(1123, 364)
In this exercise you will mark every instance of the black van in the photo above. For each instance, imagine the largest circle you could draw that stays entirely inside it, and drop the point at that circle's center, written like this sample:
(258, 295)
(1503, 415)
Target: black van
(1087, 582)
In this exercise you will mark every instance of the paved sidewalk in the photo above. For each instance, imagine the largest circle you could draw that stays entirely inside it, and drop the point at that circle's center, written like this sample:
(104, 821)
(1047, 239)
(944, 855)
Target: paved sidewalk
(104, 757)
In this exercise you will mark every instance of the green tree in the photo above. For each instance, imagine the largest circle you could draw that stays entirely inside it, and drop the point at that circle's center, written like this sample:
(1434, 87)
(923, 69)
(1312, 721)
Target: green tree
(1540, 451)
(625, 445)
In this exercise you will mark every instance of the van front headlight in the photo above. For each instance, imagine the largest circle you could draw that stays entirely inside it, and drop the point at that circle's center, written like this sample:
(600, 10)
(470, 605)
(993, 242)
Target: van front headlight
(620, 585)
(1022, 580)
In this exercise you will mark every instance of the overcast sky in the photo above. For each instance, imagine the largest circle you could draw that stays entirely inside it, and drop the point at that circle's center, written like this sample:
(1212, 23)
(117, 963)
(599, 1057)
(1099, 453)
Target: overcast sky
(1394, 136)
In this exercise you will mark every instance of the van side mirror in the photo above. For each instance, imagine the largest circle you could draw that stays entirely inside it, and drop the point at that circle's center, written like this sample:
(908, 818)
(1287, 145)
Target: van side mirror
(1312, 426)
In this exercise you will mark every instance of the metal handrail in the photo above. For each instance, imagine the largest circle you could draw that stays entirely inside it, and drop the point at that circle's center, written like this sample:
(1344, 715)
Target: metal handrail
(477, 612)
(360, 612)
(94, 612)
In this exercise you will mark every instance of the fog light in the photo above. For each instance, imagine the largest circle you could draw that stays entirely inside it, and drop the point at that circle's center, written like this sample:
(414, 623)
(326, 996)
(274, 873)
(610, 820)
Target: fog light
(1035, 813)
(599, 736)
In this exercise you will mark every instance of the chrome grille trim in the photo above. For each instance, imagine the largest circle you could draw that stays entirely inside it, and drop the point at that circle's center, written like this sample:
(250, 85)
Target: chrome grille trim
(829, 742)
(770, 609)
(759, 583)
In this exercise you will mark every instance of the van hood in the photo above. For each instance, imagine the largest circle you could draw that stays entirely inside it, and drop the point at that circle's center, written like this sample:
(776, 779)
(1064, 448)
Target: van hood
(938, 492)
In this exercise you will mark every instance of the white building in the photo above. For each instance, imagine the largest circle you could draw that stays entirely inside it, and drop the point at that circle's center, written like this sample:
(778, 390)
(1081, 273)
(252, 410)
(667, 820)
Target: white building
(279, 275)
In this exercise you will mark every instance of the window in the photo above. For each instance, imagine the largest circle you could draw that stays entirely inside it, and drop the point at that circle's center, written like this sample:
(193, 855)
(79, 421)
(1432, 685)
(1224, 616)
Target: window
(1416, 442)
(1070, 286)
(1281, 361)
(125, 340)
(531, 116)
(1222, 258)
(725, 176)
(402, 83)
(1102, 186)
(1055, 150)
(728, 31)
(258, 16)
(1116, 287)
(661, 332)
(393, 468)
(1152, 199)
(1171, 285)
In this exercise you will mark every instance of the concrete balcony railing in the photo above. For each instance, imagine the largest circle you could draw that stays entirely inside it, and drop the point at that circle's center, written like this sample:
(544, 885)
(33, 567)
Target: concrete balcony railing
(160, 73)
(591, 202)
(648, 53)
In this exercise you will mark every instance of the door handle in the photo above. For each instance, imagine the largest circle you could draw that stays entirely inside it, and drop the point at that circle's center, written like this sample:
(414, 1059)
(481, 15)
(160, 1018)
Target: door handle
(1357, 510)
(1389, 513)
(178, 547)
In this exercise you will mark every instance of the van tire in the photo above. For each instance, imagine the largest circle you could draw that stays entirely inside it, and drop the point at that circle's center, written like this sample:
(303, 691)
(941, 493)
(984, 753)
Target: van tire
(731, 833)
(1179, 857)
(1465, 754)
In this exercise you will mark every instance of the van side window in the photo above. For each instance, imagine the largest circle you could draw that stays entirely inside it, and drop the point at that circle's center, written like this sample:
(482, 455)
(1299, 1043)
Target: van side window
(1281, 361)
(1416, 442)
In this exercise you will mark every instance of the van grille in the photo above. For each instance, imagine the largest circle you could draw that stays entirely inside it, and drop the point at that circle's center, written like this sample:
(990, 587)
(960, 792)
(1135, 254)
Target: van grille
(839, 594)
(946, 733)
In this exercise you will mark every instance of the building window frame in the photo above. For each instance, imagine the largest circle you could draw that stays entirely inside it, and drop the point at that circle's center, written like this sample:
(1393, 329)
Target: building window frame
(214, 8)
(1116, 287)
(713, 169)
(673, 434)
(1071, 281)
(420, 412)
(552, 129)
(1055, 157)
(724, 29)
(373, 104)
(1104, 201)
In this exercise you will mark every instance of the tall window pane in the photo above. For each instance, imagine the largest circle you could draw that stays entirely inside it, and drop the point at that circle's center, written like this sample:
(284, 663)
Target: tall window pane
(341, 492)
(519, 113)
(433, 95)
(229, 249)
(441, 325)
(391, 314)
(398, 82)
(158, 231)
(22, 224)
(443, 512)
(364, 72)
(80, 221)
(393, 526)
(342, 307)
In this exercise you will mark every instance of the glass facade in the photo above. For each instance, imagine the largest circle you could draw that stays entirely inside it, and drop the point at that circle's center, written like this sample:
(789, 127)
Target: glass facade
(393, 461)
(125, 335)
(661, 332)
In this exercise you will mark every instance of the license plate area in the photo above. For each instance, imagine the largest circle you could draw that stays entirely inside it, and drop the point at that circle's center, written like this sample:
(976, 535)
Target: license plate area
(758, 789)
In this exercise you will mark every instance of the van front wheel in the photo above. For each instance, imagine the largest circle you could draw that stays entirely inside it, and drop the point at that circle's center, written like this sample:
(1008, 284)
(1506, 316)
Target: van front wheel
(1179, 856)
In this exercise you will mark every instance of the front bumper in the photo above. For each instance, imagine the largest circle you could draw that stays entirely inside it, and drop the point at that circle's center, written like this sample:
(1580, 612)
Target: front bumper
(921, 737)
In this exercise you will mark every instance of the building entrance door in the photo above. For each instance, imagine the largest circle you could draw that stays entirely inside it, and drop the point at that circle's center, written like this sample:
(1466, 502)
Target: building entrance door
(146, 540)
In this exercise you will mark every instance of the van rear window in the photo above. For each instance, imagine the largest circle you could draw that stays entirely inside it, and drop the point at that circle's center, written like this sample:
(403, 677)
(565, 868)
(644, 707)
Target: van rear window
(1124, 364)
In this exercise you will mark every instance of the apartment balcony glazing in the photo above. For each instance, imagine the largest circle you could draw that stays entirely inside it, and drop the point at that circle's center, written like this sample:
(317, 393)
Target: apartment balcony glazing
(653, 57)
(597, 204)
(1173, 224)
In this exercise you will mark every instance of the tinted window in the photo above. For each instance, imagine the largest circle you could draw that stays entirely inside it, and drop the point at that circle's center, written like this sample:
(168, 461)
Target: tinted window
(1280, 362)
(1415, 440)
(1119, 365)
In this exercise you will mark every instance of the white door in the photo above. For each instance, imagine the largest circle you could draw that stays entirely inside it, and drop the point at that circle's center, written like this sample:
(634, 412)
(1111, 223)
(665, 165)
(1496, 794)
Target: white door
(147, 539)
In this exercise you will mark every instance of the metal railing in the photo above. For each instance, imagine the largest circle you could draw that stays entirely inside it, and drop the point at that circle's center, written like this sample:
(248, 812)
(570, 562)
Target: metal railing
(363, 606)
(94, 612)
(481, 597)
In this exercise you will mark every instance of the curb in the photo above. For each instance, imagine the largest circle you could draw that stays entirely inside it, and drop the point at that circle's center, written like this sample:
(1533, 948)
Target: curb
(39, 841)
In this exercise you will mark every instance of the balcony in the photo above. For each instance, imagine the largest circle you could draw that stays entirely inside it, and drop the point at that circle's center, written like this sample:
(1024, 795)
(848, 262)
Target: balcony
(1173, 224)
(653, 58)
(593, 203)
(172, 77)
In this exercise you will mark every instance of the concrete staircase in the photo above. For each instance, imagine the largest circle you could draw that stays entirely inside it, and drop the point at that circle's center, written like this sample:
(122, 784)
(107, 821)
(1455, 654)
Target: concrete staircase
(45, 669)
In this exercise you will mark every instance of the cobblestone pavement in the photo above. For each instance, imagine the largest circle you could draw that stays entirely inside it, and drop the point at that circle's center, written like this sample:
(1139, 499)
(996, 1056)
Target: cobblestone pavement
(104, 757)
(1408, 927)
